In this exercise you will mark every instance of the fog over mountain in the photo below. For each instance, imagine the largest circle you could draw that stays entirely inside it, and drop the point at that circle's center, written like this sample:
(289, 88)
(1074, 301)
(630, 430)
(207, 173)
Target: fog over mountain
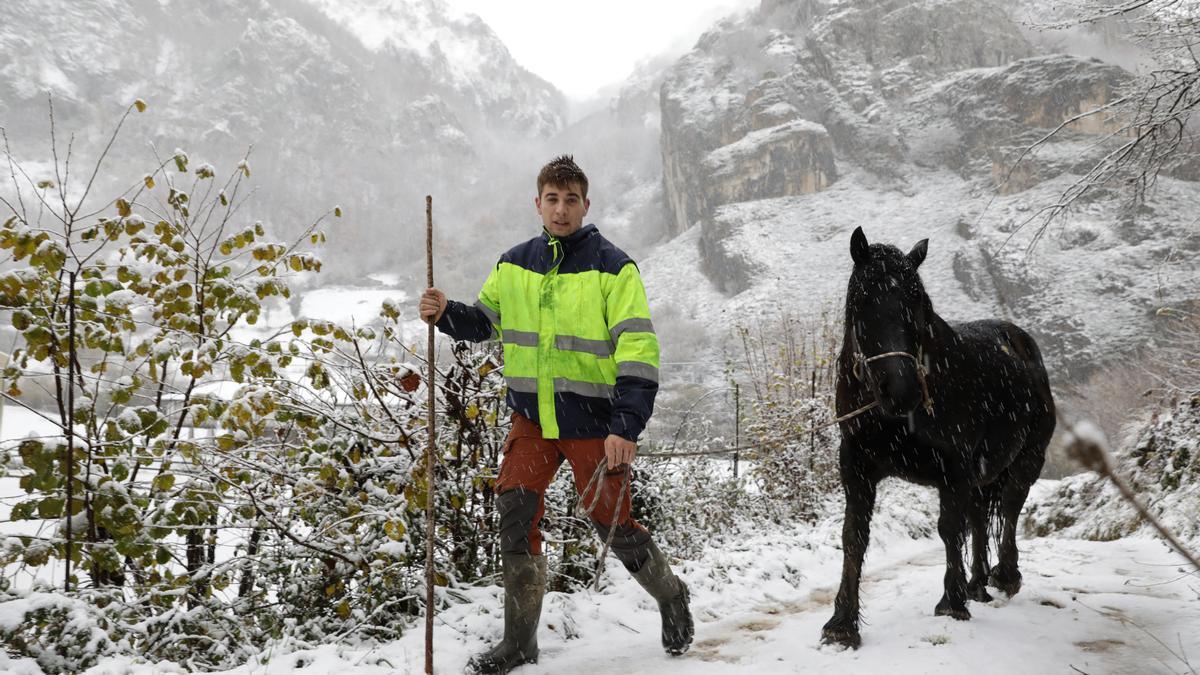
(369, 104)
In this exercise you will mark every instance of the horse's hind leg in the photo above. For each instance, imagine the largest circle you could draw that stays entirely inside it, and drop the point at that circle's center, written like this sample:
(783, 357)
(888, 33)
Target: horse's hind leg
(1020, 477)
(955, 503)
(978, 517)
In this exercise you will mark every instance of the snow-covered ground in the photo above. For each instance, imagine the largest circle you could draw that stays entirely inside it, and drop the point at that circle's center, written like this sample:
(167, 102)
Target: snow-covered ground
(349, 306)
(760, 598)
(1100, 607)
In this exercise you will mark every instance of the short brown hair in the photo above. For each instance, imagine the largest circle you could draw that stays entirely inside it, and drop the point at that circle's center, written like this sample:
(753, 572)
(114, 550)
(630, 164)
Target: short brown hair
(561, 172)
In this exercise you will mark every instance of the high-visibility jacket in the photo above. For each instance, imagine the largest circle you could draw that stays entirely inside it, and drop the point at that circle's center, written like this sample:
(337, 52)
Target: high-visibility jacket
(580, 353)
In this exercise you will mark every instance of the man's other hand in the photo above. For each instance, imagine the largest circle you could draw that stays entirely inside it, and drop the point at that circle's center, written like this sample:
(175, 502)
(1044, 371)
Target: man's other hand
(433, 304)
(618, 451)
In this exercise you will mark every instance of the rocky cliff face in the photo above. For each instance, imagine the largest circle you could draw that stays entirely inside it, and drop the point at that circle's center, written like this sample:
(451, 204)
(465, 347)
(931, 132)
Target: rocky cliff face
(785, 128)
(840, 66)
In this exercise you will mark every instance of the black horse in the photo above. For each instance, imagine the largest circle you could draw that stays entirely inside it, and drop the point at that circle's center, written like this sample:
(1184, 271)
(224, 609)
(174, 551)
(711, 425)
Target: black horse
(963, 407)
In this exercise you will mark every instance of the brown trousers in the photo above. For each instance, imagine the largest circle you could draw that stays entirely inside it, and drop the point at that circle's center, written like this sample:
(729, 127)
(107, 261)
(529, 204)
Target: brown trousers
(528, 467)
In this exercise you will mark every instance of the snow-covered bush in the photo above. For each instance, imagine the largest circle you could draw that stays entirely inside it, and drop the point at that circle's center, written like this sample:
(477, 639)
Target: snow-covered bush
(686, 502)
(788, 467)
(791, 371)
(215, 484)
(63, 634)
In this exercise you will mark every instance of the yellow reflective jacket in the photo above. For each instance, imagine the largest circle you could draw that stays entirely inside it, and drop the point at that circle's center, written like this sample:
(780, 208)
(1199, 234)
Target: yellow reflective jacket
(580, 354)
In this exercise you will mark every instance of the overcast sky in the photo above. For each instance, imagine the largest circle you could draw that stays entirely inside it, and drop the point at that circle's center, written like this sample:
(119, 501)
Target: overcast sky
(582, 46)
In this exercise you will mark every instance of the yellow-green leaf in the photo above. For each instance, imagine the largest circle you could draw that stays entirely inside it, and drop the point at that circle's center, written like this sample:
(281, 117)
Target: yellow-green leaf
(163, 482)
(394, 529)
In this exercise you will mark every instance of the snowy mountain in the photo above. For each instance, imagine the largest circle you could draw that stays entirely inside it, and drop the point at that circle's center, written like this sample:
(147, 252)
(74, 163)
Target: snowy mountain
(786, 128)
(368, 104)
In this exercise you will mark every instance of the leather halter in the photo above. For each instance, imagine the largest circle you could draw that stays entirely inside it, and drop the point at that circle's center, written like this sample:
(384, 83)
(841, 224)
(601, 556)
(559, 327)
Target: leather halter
(861, 361)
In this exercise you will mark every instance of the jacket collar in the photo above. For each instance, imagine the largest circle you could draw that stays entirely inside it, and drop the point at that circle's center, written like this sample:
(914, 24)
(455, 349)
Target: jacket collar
(572, 241)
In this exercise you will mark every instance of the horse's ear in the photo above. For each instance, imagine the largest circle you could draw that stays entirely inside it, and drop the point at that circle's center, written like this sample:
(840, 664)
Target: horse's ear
(917, 255)
(860, 250)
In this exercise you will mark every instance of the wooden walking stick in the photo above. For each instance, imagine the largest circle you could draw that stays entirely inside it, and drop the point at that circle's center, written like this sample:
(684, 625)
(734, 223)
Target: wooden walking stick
(429, 456)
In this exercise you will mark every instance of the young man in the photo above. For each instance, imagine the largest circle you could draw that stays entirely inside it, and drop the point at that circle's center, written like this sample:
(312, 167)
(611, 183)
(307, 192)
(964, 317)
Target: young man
(581, 365)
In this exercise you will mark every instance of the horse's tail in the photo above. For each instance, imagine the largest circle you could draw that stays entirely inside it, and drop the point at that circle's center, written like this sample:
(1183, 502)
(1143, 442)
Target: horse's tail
(991, 497)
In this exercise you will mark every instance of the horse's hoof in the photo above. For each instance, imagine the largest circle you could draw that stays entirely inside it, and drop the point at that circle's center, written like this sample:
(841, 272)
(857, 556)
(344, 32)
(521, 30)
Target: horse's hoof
(1009, 583)
(837, 635)
(960, 613)
(979, 593)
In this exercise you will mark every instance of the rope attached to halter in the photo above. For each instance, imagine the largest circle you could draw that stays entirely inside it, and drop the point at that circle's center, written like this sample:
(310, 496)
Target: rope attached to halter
(751, 446)
(582, 511)
(585, 510)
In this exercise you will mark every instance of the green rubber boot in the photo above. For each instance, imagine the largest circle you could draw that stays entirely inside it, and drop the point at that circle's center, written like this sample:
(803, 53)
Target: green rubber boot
(660, 582)
(524, 586)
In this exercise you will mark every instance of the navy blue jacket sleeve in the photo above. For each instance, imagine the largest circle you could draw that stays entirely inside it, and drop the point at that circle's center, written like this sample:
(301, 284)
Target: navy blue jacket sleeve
(465, 322)
(633, 404)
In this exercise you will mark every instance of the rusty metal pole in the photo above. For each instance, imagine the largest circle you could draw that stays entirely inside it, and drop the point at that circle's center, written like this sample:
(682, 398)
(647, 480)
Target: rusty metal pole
(429, 450)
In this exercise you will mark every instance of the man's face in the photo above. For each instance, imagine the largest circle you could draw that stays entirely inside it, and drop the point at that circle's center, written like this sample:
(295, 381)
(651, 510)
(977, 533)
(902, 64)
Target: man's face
(562, 208)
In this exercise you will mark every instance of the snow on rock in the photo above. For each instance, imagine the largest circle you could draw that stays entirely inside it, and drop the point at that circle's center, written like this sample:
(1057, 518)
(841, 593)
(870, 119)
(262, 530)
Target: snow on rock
(1161, 462)
(998, 112)
(789, 159)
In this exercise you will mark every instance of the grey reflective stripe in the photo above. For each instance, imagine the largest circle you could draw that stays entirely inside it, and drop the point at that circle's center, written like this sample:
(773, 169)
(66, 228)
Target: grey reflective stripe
(525, 385)
(635, 325)
(593, 389)
(492, 314)
(528, 385)
(577, 344)
(520, 337)
(638, 369)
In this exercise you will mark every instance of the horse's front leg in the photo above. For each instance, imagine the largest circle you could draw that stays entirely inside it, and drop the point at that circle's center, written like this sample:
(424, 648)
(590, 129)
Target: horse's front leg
(856, 532)
(955, 503)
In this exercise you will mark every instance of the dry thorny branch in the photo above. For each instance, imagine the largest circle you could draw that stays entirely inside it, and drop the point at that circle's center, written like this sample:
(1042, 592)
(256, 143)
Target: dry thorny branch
(1153, 114)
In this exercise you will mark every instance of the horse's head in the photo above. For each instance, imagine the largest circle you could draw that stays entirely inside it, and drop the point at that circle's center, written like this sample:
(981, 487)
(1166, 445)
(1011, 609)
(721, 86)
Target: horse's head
(887, 315)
